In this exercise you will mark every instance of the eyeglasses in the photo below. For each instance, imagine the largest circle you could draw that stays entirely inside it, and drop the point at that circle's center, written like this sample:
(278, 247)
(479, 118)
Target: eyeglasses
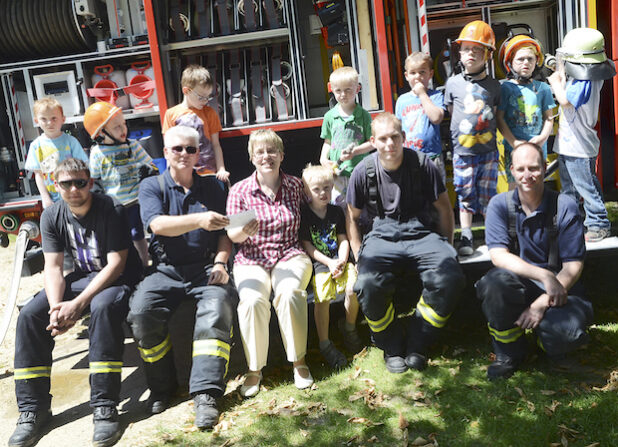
(200, 97)
(79, 183)
(477, 51)
(187, 149)
(262, 154)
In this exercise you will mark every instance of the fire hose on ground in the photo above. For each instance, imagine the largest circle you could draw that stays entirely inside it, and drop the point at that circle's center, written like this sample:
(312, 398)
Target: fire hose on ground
(27, 230)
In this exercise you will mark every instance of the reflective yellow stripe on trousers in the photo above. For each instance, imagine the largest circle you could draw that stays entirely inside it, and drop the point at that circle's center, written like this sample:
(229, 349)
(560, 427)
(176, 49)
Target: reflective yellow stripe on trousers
(105, 367)
(430, 315)
(382, 324)
(213, 347)
(156, 353)
(507, 336)
(32, 373)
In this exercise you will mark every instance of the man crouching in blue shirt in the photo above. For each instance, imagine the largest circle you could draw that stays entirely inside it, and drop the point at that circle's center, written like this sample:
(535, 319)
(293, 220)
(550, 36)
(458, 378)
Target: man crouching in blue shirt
(186, 215)
(535, 238)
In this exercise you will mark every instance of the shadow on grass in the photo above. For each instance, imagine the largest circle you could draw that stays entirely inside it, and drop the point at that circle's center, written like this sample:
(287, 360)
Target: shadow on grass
(451, 402)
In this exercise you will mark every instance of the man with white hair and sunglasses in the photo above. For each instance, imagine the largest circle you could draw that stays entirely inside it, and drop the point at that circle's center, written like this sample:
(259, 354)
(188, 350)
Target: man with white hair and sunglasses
(186, 215)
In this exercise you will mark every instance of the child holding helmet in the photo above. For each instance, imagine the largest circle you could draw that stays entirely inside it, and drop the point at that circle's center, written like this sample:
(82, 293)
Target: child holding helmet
(577, 86)
(471, 98)
(117, 162)
(525, 110)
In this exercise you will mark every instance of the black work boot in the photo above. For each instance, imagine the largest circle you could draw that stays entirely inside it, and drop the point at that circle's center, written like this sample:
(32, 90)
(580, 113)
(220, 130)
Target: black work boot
(395, 364)
(29, 427)
(421, 335)
(106, 426)
(509, 356)
(206, 413)
(157, 402)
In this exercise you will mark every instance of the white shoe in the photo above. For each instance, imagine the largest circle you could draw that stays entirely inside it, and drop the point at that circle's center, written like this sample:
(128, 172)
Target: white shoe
(251, 390)
(302, 382)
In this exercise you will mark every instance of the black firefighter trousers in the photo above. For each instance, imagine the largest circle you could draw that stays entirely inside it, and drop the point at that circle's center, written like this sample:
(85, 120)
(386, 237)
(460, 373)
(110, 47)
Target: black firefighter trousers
(391, 252)
(151, 307)
(34, 345)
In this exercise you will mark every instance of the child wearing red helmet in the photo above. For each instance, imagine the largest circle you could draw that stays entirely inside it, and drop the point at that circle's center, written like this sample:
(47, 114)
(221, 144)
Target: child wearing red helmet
(526, 106)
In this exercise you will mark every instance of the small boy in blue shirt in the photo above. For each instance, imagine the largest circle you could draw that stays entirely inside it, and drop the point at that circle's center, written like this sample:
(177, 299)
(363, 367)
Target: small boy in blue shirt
(526, 104)
(421, 110)
(49, 149)
(119, 163)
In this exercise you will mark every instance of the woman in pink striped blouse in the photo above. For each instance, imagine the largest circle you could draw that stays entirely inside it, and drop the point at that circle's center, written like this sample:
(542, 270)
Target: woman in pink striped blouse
(270, 257)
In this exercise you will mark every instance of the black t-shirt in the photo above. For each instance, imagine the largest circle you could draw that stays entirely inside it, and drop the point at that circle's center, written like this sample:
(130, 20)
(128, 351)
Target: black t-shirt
(104, 229)
(322, 233)
(399, 199)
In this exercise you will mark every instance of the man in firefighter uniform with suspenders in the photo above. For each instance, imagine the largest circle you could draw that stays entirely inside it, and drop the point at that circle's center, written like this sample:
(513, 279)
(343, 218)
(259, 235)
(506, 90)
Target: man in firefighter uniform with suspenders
(536, 242)
(186, 216)
(403, 190)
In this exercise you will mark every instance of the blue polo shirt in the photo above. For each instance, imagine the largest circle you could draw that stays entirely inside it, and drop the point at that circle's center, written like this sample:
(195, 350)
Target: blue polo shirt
(206, 194)
(532, 234)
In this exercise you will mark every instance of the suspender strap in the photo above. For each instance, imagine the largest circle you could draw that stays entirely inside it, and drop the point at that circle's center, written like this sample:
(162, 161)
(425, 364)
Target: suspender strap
(550, 224)
(224, 20)
(249, 10)
(256, 85)
(236, 105)
(372, 184)
(201, 8)
(512, 228)
(272, 18)
(278, 89)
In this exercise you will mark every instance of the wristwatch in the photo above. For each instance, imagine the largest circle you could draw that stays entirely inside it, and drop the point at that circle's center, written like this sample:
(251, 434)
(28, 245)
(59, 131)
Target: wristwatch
(224, 264)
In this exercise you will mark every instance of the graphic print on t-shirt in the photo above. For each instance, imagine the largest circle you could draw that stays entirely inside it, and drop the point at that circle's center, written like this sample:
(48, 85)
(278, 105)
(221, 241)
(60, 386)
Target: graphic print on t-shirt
(207, 157)
(324, 238)
(85, 249)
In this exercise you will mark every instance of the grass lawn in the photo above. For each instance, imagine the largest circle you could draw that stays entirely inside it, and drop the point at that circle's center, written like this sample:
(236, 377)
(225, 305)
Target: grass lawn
(449, 404)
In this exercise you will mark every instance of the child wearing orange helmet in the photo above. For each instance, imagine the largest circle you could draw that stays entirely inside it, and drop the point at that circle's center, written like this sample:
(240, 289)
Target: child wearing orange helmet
(117, 161)
(471, 98)
(526, 104)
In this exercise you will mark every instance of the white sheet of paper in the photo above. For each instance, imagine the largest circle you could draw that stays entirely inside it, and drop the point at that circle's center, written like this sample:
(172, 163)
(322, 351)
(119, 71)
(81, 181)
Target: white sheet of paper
(241, 219)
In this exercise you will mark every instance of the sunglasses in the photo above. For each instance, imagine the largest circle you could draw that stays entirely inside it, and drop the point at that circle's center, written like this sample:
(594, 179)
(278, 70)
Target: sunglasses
(187, 149)
(79, 183)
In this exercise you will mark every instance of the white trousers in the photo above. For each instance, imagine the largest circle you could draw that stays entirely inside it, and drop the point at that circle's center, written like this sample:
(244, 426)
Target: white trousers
(288, 279)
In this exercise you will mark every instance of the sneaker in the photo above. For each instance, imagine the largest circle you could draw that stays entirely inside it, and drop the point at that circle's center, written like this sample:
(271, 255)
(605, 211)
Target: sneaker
(465, 247)
(206, 413)
(29, 427)
(395, 364)
(157, 403)
(596, 234)
(416, 361)
(333, 356)
(351, 340)
(106, 426)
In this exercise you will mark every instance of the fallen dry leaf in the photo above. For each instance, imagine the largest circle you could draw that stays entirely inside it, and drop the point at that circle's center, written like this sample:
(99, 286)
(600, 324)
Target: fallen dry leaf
(357, 372)
(226, 443)
(520, 392)
(373, 439)
(547, 392)
(594, 444)
(419, 442)
(304, 433)
(364, 421)
(361, 354)
(403, 422)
